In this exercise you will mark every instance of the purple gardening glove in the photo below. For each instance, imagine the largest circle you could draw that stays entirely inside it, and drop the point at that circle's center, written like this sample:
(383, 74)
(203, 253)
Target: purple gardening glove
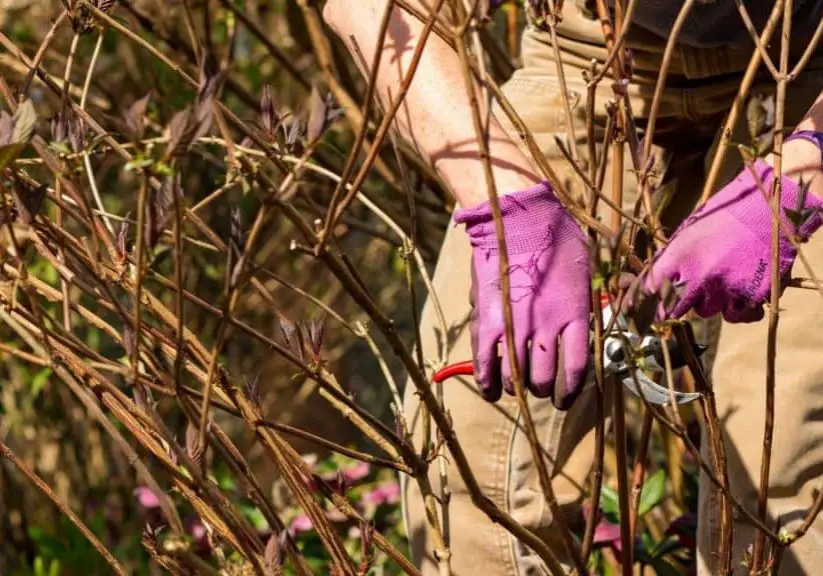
(549, 273)
(720, 257)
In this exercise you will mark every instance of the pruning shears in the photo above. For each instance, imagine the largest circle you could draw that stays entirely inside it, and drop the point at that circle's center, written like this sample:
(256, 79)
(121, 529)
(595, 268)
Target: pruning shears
(626, 355)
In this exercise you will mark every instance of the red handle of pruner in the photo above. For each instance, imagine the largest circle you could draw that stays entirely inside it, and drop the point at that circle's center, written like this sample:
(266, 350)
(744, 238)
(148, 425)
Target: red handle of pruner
(465, 368)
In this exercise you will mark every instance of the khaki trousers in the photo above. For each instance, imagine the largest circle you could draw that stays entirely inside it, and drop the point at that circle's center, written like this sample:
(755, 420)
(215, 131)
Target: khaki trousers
(701, 87)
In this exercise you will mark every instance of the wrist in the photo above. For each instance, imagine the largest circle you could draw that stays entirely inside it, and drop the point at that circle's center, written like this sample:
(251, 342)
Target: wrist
(463, 167)
(474, 189)
(802, 160)
(792, 199)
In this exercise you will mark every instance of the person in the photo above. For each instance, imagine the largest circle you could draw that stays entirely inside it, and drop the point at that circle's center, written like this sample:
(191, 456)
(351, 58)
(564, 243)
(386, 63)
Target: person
(719, 258)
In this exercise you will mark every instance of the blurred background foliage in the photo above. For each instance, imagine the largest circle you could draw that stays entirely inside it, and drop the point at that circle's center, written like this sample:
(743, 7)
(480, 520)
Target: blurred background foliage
(261, 43)
(49, 428)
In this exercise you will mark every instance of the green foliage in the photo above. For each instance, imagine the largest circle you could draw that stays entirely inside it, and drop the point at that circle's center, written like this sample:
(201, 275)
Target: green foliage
(652, 493)
(666, 555)
(64, 550)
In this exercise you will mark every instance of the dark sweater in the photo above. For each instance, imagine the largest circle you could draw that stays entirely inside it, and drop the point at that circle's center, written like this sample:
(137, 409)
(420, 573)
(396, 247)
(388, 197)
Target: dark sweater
(718, 23)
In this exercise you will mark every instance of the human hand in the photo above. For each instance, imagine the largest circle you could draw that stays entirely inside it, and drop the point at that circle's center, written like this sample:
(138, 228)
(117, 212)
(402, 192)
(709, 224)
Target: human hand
(550, 298)
(720, 258)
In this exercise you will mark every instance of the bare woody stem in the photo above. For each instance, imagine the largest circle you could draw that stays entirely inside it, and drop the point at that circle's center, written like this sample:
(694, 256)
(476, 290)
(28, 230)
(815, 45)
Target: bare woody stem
(6, 453)
(774, 305)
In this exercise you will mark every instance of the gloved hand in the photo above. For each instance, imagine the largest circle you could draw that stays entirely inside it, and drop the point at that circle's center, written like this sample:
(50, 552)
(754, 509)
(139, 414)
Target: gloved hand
(550, 281)
(720, 257)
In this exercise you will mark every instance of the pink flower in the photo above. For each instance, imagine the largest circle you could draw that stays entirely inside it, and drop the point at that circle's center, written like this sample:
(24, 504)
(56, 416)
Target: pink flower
(197, 530)
(300, 524)
(348, 475)
(303, 523)
(608, 533)
(387, 493)
(146, 497)
(605, 533)
(357, 472)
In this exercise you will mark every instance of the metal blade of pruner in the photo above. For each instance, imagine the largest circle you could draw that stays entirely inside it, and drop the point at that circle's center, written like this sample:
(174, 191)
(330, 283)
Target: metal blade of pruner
(626, 355)
(653, 393)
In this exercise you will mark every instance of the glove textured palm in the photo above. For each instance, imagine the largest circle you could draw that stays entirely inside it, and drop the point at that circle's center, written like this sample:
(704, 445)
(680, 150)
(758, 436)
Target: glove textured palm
(550, 282)
(720, 257)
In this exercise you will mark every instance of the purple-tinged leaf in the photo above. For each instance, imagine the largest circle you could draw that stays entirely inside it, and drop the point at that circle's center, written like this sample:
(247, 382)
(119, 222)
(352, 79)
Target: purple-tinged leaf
(15, 132)
(181, 132)
(322, 113)
(194, 122)
(293, 337)
(268, 114)
(211, 77)
(66, 127)
(150, 536)
(77, 135)
(315, 331)
(253, 388)
(293, 137)
(162, 209)
(274, 556)
(59, 128)
(6, 128)
(194, 447)
(128, 340)
(105, 5)
(366, 546)
(25, 120)
(134, 117)
(122, 237)
(317, 116)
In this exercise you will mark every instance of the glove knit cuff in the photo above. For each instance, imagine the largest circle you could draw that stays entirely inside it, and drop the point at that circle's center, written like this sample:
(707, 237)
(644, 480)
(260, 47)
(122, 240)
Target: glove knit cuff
(752, 214)
(533, 219)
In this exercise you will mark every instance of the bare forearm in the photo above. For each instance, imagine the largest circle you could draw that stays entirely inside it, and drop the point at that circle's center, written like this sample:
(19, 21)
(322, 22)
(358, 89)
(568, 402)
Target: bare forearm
(436, 116)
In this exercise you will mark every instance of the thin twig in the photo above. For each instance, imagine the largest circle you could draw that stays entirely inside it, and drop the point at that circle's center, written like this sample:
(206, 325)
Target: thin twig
(776, 285)
(738, 103)
(86, 157)
(6, 453)
(505, 286)
(764, 54)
